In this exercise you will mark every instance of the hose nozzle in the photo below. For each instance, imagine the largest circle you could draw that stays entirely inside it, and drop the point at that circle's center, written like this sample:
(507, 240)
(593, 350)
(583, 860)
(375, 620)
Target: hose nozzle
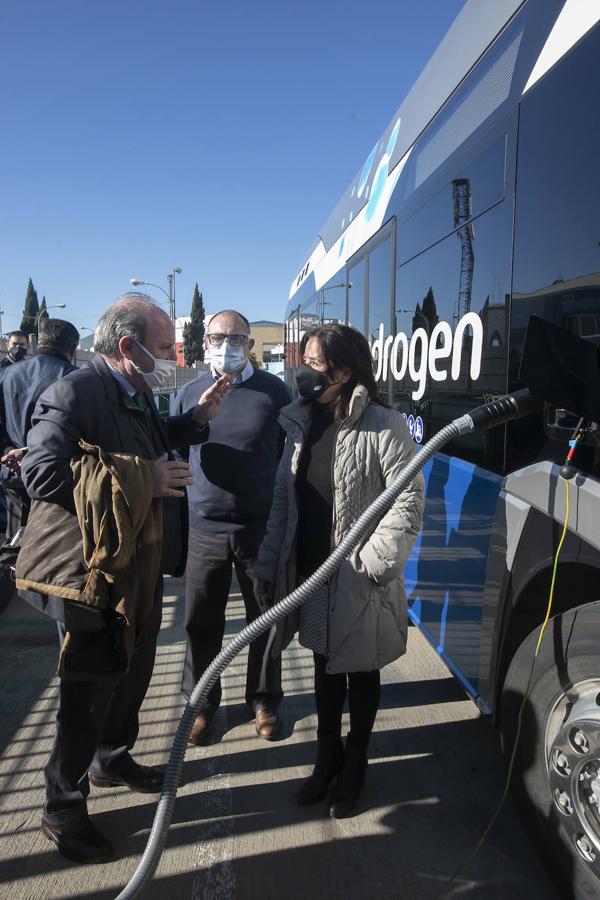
(512, 406)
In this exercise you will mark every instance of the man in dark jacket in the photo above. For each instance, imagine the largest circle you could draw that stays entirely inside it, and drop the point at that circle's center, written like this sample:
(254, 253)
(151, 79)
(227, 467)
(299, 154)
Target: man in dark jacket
(109, 404)
(20, 389)
(17, 344)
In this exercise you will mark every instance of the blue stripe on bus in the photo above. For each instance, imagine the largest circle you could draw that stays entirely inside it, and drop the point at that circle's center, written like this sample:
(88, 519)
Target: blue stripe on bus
(469, 688)
(445, 573)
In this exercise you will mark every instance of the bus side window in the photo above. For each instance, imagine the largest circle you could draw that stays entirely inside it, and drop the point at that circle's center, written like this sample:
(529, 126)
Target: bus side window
(380, 285)
(356, 295)
(452, 305)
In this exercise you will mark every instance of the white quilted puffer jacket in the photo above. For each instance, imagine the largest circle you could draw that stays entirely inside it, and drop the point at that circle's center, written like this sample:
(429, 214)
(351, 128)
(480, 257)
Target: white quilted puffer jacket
(367, 601)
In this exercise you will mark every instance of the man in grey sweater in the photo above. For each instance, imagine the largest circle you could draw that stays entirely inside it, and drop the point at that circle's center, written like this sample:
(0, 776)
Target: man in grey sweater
(229, 502)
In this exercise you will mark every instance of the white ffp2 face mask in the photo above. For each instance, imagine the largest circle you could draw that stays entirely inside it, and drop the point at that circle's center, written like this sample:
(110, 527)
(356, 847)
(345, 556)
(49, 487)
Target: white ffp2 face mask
(161, 374)
(227, 359)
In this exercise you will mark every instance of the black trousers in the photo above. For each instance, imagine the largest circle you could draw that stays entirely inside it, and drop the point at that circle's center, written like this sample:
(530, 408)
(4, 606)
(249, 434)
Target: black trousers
(363, 690)
(211, 560)
(18, 505)
(96, 726)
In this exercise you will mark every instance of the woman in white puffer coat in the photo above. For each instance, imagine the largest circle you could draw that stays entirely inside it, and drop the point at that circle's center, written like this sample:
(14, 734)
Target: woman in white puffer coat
(343, 447)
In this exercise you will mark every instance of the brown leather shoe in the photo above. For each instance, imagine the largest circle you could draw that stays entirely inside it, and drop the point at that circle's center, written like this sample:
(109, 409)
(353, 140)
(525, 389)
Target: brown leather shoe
(268, 724)
(200, 732)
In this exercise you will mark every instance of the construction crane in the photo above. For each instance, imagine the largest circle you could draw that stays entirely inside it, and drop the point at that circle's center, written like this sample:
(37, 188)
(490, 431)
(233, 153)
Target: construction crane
(461, 192)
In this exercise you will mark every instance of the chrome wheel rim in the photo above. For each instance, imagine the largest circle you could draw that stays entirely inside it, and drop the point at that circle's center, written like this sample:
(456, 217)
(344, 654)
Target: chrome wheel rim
(572, 755)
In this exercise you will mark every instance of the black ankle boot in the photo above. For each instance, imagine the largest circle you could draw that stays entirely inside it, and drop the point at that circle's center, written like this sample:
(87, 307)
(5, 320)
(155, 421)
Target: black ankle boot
(348, 786)
(327, 766)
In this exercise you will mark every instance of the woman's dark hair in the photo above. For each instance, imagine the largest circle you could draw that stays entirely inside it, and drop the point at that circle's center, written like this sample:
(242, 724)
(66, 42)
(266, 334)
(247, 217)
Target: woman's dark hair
(343, 347)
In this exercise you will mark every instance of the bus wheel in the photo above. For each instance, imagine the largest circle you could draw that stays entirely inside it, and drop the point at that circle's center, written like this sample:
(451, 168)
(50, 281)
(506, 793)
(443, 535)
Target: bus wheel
(556, 777)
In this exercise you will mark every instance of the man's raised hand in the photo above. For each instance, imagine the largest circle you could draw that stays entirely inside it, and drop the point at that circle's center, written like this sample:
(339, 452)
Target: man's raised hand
(209, 403)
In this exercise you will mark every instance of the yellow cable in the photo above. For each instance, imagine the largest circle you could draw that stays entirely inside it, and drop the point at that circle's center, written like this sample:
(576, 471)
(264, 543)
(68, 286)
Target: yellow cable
(513, 754)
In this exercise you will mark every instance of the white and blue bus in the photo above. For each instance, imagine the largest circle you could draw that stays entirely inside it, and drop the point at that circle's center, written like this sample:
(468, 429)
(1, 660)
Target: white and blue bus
(478, 207)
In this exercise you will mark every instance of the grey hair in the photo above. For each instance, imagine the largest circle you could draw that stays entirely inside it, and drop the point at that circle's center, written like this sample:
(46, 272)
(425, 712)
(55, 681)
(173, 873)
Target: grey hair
(136, 295)
(125, 318)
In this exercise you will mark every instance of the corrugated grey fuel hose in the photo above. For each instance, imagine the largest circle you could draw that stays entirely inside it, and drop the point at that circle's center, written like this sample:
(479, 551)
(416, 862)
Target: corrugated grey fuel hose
(483, 417)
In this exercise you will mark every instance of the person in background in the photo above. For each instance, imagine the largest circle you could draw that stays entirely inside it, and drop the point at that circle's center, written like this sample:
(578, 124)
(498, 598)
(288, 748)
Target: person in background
(17, 344)
(343, 448)
(20, 389)
(230, 497)
(109, 404)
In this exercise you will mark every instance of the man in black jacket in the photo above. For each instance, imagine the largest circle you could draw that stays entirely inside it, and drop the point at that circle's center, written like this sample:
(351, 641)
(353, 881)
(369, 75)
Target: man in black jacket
(17, 344)
(20, 387)
(109, 403)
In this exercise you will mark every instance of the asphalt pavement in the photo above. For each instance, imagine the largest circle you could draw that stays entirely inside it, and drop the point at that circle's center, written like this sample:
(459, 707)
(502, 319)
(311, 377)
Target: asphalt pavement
(434, 777)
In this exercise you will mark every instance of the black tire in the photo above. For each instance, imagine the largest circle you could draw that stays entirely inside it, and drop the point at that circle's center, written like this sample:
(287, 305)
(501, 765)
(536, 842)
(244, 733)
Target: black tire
(559, 742)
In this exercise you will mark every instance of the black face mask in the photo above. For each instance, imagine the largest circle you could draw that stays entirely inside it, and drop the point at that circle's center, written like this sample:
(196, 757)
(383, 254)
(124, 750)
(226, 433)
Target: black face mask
(17, 353)
(311, 383)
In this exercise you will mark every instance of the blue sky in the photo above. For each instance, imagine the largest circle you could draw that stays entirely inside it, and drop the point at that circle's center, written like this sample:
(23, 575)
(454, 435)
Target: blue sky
(147, 134)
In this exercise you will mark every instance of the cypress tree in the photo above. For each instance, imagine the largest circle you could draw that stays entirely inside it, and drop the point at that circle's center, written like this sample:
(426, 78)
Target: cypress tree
(30, 310)
(42, 314)
(193, 332)
(187, 350)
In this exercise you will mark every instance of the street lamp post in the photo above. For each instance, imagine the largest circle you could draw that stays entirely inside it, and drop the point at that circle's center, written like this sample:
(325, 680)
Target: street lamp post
(170, 294)
(171, 281)
(81, 328)
(40, 319)
(137, 281)
(44, 312)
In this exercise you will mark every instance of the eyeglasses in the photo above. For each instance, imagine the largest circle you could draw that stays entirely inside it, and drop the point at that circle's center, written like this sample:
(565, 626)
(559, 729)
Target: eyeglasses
(234, 340)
